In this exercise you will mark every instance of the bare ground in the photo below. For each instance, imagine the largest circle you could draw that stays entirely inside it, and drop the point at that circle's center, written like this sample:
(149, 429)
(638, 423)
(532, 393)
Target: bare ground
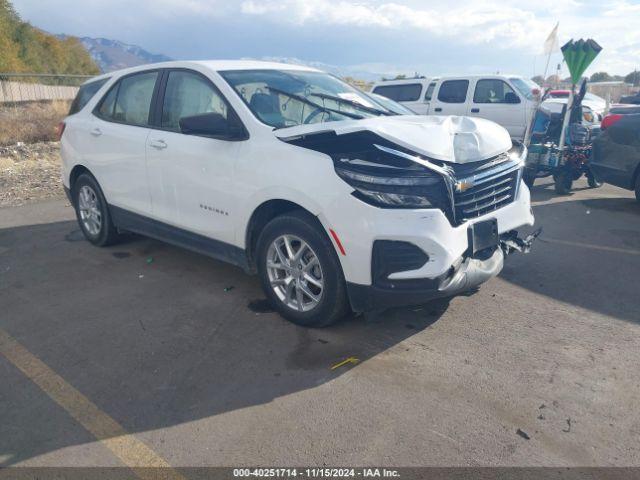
(29, 172)
(31, 122)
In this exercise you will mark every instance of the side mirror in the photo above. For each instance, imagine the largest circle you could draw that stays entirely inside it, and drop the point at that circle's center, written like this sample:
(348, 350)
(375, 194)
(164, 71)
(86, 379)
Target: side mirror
(213, 125)
(511, 97)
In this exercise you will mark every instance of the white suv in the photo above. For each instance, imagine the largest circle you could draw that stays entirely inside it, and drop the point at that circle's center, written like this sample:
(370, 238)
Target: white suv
(335, 201)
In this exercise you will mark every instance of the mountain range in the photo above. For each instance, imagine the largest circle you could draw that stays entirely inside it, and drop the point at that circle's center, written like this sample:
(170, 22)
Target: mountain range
(339, 71)
(112, 55)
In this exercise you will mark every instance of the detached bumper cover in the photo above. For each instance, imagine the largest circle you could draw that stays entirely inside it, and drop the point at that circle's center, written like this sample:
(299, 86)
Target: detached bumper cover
(467, 275)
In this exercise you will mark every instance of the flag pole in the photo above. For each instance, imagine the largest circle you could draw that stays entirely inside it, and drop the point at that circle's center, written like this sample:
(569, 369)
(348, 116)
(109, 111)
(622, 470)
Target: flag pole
(565, 122)
(549, 45)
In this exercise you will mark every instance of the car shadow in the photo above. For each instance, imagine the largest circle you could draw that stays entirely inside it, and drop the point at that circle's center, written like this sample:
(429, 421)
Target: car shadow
(615, 205)
(587, 256)
(157, 336)
(543, 190)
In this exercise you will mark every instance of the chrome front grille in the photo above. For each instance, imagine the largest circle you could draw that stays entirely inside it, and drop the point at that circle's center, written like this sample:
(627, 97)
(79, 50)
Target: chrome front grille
(483, 187)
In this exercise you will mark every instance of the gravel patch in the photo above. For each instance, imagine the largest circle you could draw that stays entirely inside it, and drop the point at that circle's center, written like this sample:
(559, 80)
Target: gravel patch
(29, 172)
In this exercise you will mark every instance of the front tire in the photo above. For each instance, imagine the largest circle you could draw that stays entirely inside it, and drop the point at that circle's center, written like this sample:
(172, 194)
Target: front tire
(529, 178)
(300, 272)
(92, 212)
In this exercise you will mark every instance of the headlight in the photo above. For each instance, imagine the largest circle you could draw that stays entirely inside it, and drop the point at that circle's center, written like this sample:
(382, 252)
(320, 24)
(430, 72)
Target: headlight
(387, 186)
(391, 200)
(517, 151)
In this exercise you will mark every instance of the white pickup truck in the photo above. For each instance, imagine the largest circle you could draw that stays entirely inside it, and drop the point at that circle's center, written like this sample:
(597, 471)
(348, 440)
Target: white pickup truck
(504, 99)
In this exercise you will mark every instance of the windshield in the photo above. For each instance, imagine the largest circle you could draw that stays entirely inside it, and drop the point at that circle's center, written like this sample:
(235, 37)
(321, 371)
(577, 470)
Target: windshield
(525, 86)
(286, 98)
(391, 105)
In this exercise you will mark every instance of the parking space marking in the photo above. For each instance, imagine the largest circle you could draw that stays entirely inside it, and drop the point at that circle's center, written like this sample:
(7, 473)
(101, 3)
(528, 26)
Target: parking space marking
(627, 251)
(131, 451)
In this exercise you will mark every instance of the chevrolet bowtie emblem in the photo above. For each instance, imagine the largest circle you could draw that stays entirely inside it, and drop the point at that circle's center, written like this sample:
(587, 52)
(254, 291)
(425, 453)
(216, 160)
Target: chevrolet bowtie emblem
(463, 186)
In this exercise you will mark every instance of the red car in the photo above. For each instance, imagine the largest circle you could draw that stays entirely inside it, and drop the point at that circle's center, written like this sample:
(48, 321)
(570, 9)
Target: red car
(559, 93)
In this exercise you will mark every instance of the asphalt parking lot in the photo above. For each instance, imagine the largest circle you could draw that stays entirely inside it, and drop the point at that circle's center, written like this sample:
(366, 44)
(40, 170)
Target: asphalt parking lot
(183, 364)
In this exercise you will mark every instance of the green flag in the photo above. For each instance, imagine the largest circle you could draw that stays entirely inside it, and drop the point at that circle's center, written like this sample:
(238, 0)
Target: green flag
(579, 55)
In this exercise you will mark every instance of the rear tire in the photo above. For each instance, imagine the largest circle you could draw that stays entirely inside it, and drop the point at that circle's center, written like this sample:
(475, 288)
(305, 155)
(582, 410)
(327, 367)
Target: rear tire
(92, 212)
(300, 272)
(592, 180)
(562, 182)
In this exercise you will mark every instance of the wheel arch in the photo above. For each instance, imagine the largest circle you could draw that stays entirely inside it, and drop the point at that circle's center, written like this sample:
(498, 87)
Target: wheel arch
(76, 171)
(262, 215)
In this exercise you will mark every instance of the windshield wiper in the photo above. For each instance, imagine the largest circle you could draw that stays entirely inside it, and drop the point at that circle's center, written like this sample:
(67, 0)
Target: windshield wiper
(353, 103)
(302, 99)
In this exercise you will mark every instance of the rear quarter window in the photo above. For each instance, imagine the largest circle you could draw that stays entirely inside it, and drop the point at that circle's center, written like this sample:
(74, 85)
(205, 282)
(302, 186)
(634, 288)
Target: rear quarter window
(429, 93)
(86, 93)
(400, 93)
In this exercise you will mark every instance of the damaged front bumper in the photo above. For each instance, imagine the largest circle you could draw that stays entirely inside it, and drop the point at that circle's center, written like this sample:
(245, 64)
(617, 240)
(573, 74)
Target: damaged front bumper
(466, 274)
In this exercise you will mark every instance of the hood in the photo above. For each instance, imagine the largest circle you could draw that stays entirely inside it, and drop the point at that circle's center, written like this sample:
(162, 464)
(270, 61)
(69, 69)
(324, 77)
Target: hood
(448, 138)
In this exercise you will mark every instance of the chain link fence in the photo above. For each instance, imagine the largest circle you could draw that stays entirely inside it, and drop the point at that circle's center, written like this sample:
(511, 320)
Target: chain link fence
(31, 105)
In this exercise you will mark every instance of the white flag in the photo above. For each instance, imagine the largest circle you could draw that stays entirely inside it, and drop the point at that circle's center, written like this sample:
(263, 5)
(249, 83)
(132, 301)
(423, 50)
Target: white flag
(551, 43)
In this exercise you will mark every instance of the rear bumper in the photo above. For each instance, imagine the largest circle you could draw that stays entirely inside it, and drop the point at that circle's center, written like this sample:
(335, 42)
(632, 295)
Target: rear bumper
(613, 162)
(465, 275)
(613, 176)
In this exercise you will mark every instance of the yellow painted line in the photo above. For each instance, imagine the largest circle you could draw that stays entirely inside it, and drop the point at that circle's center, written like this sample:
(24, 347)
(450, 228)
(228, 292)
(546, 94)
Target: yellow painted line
(353, 360)
(604, 248)
(131, 451)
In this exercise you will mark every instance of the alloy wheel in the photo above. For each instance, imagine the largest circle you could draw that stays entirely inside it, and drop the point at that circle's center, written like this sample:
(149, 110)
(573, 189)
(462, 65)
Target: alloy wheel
(90, 214)
(295, 273)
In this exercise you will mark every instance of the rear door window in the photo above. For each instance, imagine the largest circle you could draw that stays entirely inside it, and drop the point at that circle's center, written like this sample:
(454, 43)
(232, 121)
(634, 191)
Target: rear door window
(105, 109)
(129, 100)
(453, 91)
(409, 92)
(86, 93)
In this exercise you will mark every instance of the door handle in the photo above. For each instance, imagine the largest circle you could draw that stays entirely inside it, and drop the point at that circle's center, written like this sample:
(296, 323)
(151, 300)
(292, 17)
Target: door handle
(159, 144)
(96, 132)
(475, 110)
(437, 109)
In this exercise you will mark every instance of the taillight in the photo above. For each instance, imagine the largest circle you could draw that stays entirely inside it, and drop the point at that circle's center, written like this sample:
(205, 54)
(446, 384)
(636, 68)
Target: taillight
(60, 130)
(610, 120)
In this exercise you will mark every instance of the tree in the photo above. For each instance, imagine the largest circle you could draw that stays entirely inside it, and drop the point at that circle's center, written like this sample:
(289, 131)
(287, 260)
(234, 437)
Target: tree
(633, 78)
(24, 48)
(600, 77)
(539, 79)
(553, 80)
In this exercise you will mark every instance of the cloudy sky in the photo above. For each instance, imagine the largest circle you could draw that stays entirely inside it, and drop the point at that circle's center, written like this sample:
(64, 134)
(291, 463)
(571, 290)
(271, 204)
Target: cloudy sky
(433, 37)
